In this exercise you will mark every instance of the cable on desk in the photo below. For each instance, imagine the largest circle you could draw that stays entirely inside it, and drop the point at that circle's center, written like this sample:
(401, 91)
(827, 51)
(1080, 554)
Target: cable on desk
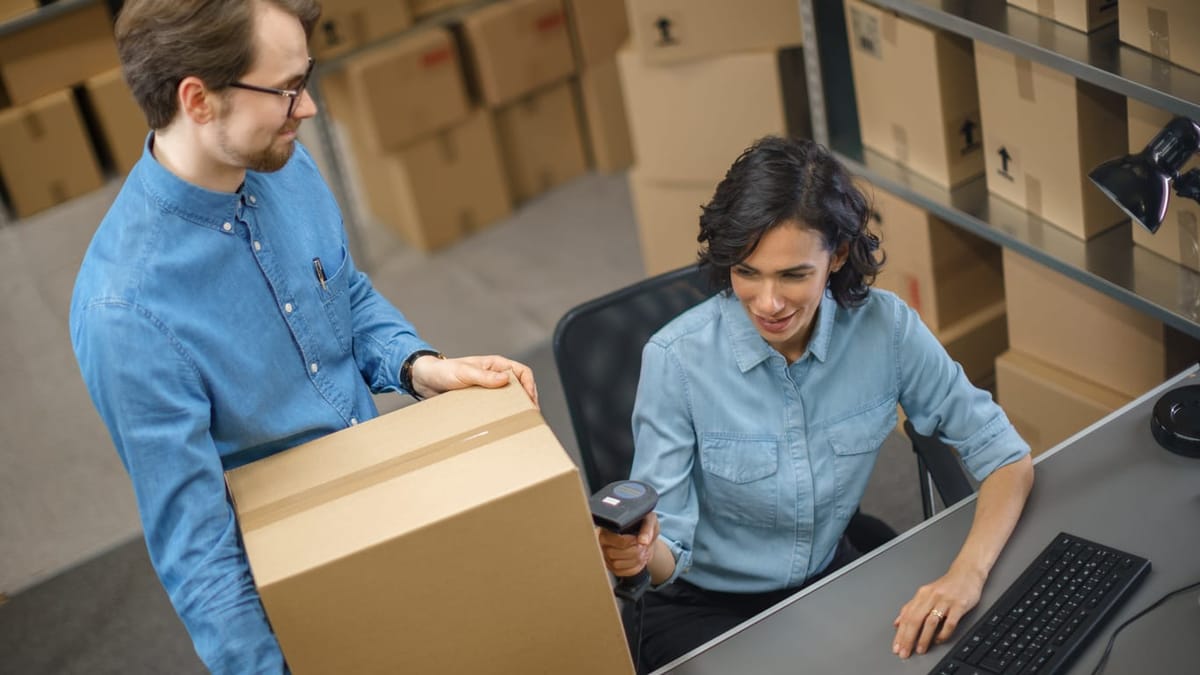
(1108, 648)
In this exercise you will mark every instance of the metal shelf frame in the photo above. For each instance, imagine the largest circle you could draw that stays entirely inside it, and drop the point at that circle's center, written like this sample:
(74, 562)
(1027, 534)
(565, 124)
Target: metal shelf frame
(1109, 263)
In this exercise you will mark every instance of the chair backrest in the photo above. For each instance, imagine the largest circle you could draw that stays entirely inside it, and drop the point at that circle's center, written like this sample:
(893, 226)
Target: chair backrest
(938, 468)
(598, 351)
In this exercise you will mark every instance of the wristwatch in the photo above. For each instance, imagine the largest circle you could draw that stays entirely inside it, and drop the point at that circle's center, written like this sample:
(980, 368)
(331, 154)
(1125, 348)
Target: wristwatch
(406, 382)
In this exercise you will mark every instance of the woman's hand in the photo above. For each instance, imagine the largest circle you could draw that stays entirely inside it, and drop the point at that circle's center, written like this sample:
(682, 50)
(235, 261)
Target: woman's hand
(934, 612)
(625, 554)
(432, 376)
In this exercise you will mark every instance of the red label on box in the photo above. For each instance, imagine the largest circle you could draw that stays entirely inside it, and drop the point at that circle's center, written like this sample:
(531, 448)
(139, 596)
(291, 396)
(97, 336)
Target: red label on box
(435, 57)
(550, 22)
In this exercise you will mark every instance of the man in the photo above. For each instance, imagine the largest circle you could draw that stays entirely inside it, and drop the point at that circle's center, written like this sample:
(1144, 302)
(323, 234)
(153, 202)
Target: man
(218, 317)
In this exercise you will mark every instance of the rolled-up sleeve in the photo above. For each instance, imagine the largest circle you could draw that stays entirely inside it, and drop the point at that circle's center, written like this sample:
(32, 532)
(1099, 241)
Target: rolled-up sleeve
(665, 450)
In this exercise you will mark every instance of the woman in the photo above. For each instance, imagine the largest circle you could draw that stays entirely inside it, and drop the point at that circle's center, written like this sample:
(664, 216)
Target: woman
(760, 413)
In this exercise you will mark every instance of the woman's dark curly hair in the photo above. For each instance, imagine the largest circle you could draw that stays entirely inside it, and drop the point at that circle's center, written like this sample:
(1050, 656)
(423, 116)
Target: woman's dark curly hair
(781, 180)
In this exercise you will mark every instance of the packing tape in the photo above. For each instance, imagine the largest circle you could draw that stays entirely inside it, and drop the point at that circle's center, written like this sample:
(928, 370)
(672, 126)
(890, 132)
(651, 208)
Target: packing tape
(1160, 32)
(1025, 79)
(1033, 195)
(1046, 8)
(900, 142)
(393, 468)
(888, 27)
(34, 127)
(1189, 240)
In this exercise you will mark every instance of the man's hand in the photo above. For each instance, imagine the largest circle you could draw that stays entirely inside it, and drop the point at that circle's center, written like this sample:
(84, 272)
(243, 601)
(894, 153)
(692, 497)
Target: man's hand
(432, 376)
(625, 554)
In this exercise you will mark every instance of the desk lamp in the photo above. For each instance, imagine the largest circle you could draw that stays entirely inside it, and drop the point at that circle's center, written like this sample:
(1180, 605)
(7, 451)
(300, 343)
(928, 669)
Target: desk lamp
(1141, 185)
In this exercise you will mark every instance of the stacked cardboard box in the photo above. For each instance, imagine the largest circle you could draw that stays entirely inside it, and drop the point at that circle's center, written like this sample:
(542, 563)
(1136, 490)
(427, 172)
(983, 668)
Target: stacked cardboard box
(1043, 131)
(598, 30)
(348, 24)
(395, 546)
(1072, 338)
(120, 122)
(1165, 28)
(930, 123)
(1178, 238)
(703, 79)
(46, 154)
(1084, 15)
(951, 277)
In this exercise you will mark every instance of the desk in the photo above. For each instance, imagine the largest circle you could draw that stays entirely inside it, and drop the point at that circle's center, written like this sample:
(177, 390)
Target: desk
(1111, 483)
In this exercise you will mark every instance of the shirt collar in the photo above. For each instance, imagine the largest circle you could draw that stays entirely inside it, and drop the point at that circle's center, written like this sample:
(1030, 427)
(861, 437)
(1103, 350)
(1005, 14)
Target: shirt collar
(193, 203)
(750, 349)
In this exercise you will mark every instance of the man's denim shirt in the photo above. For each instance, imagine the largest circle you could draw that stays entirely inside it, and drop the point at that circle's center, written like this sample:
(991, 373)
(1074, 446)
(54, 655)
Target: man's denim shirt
(206, 341)
(760, 464)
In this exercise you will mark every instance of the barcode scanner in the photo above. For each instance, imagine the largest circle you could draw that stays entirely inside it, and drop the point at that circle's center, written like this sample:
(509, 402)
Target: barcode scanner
(621, 507)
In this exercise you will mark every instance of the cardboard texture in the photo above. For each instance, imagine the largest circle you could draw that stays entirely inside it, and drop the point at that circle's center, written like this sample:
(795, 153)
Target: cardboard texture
(1066, 324)
(1165, 28)
(58, 53)
(1084, 15)
(682, 132)
(931, 124)
(349, 24)
(668, 220)
(673, 31)
(540, 141)
(1048, 405)
(45, 155)
(403, 91)
(603, 104)
(389, 546)
(13, 8)
(941, 270)
(121, 120)
(422, 8)
(598, 29)
(1043, 131)
(517, 47)
(1179, 236)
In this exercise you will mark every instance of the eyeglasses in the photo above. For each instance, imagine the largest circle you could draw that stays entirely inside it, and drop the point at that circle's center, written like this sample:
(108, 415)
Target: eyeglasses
(293, 94)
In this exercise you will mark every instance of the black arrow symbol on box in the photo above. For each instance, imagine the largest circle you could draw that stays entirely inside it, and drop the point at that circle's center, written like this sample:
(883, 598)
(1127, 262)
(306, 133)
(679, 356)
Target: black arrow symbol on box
(968, 132)
(664, 31)
(331, 33)
(1004, 159)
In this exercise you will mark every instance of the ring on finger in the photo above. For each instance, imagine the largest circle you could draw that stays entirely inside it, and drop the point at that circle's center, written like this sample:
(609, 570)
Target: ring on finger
(941, 616)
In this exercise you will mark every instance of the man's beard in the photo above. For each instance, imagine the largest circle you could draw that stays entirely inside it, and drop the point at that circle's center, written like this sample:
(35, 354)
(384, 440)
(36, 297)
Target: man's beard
(266, 160)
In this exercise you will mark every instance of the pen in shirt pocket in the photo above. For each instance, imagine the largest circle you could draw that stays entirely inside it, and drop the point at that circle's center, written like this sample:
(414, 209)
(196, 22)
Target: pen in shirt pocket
(320, 272)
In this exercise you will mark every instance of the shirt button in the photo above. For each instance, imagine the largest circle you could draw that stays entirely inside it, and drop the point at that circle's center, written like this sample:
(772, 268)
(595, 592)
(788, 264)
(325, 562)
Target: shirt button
(257, 246)
(353, 421)
(287, 307)
(313, 367)
(253, 200)
(227, 227)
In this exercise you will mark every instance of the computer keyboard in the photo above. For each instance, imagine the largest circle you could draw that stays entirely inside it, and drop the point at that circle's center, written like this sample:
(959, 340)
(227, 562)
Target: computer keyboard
(1044, 619)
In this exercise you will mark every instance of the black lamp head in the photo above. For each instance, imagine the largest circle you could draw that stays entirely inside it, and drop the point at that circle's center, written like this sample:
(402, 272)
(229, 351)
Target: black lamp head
(1140, 183)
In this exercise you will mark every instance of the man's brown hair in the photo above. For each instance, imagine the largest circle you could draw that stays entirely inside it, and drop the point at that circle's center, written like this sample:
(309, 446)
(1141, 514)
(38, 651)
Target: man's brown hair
(161, 42)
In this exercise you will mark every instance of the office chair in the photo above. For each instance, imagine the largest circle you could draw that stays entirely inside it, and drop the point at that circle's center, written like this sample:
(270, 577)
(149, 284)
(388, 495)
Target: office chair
(938, 468)
(598, 351)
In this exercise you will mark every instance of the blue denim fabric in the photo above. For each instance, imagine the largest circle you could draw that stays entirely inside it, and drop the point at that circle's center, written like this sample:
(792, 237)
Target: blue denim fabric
(760, 464)
(206, 341)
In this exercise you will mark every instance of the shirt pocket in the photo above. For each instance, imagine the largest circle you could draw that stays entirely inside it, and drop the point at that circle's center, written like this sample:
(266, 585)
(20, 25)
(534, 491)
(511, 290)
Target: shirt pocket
(855, 442)
(739, 477)
(335, 298)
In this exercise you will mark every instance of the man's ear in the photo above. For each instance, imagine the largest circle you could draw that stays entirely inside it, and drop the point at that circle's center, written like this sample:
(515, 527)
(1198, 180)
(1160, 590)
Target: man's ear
(197, 101)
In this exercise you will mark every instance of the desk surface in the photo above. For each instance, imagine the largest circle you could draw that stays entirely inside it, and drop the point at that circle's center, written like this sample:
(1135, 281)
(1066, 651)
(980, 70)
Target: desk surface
(1112, 484)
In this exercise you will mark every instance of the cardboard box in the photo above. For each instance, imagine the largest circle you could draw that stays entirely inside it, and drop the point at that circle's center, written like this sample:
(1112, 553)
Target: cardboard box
(540, 141)
(1073, 327)
(14, 8)
(690, 121)
(58, 53)
(395, 546)
(671, 31)
(1146, 24)
(1048, 405)
(423, 8)
(941, 270)
(45, 155)
(668, 220)
(348, 24)
(402, 91)
(603, 104)
(517, 47)
(121, 121)
(1084, 15)
(929, 123)
(1179, 236)
(598, 29)
(1043, 131)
